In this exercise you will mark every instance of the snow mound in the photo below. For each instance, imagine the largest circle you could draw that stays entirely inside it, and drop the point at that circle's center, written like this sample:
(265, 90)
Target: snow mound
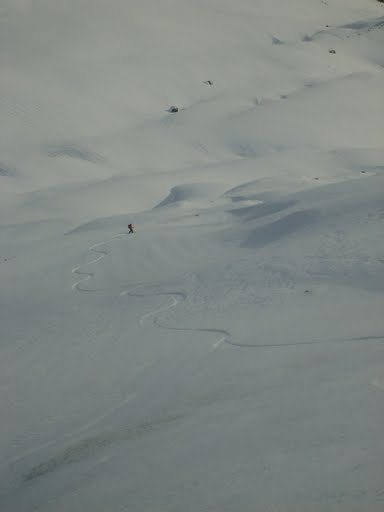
(192, 195)
(6, 170)
(281, 228)
(73, 150)
(342, 207)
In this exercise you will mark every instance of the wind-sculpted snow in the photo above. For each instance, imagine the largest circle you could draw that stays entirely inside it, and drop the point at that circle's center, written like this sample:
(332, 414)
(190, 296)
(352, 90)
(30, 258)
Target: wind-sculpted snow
(283, 227)
(6, 170)
(269, 207)
(366, 25)
(89, 446)
(194, 193)
(72, 151)
(227, 355)
(356, 27)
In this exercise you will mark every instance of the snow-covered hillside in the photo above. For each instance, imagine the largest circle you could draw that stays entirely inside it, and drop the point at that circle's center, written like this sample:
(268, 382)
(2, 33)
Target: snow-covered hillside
(228, 355)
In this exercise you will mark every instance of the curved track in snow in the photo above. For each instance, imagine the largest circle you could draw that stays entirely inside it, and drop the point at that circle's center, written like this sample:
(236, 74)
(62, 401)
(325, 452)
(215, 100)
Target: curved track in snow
(355, 339)
(88, 274)
(176, 297)
(226, 336)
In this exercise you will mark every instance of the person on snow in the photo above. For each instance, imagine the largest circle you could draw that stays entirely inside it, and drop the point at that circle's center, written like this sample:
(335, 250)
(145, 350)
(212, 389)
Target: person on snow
(130, 227)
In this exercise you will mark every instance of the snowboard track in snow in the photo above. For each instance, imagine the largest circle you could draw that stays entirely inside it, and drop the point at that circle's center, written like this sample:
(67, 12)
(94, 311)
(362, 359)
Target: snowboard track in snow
(309, 342)
(88, 274)
(177, 296)
(226, 336)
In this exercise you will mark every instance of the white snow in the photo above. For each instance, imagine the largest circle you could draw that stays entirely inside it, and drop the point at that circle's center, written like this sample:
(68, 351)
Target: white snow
(228, 355)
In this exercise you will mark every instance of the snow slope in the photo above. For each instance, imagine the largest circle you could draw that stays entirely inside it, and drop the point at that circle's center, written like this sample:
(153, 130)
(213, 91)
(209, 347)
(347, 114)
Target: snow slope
(228, 356)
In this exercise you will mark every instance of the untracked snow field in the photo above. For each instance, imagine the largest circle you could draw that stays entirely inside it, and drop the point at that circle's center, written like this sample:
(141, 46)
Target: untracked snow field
(228, 356)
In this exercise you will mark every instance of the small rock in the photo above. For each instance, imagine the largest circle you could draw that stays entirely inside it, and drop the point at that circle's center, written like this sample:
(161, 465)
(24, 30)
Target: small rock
(208, 82)
(332, 51)
(173, 109)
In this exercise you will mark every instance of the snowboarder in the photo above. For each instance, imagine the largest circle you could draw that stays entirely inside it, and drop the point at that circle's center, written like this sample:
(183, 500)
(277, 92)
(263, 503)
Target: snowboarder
(130, 227)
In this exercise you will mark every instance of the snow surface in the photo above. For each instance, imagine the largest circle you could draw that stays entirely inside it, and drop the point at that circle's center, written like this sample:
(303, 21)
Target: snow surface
(228, 356)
